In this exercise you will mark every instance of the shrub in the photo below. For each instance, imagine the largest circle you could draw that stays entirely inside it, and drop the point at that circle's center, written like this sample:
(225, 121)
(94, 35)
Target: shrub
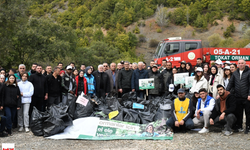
(142, 38)
(231, 28)
(216, 23)
(153, 43)
(214, 40)
(159, 30)
(136, 30)
(227, 33)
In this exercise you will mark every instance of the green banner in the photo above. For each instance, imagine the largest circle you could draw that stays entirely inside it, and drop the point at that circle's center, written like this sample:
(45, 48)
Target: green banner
(230, 57)
(92, 128)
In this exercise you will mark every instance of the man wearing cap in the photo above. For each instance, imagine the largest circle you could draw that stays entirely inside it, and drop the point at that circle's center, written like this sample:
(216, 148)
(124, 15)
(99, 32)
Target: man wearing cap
(224, 110)
(182, 68)
(158, 82)
(204, 107)
(218, 64)
(68, 85)
(240, 81)
(181, 111)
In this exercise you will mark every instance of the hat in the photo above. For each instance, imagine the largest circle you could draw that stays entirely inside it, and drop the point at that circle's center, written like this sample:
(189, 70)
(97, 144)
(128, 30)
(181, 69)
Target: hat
(219, 62)
(181, 91)
(227, 62)
(196, 91)
(220, 85)
(227, 67)
(183, 62)
(171, 88)
(69, 67)
(155, 66)
(62, 71)
(122, 62)
(199, 69)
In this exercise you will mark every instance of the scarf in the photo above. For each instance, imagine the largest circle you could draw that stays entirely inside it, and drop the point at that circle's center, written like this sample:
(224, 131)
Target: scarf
(223, 101)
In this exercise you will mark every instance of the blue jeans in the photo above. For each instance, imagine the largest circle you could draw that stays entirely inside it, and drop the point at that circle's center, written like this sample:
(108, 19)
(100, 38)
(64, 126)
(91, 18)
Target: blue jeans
(189, 124)
(10, 116)
(2, 123)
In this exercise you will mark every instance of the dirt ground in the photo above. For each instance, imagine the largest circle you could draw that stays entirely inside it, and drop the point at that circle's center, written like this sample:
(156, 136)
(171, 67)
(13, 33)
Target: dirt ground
(191, 140)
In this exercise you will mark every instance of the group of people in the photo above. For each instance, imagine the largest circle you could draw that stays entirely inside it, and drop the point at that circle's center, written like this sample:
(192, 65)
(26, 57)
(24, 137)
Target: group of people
(217, 92)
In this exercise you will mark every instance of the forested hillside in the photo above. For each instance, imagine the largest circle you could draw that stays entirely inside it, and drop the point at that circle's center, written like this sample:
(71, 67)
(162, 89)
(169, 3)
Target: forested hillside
(93, 31)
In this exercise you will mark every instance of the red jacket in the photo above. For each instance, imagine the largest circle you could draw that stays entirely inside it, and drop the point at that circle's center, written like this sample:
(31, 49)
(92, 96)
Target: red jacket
(84, 82)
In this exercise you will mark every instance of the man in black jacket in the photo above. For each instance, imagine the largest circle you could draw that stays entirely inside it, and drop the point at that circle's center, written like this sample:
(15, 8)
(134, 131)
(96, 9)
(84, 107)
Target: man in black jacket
(166, 73)
(54, 87)
(68, 85)
(158, 82)
(124, 79)
(102, 82)
(224, 110)
(40, 90)
(240, 81)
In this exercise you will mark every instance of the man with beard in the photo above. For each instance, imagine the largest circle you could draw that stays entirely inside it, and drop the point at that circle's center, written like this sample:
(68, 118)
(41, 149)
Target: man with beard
(33, 69)
(166, 73)
(224, 110)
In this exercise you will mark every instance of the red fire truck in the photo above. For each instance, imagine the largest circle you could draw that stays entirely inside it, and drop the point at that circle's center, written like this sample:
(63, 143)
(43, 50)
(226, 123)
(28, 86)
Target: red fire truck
(176, 49)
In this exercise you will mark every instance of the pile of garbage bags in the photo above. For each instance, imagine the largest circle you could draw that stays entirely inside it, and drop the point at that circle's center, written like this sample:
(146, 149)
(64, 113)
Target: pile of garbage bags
(129, 108)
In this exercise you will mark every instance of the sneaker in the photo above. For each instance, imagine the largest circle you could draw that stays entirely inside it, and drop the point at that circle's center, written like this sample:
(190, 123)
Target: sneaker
(3, 134)
(20, 129)
(240, 129)
(27, 130)
(204, 130)
(227, 133)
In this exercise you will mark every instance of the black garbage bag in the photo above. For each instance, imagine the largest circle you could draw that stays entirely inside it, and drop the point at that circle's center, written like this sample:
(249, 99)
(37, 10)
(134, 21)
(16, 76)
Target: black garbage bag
(146, 117)
(128, 99)
(131, 115)
(119, 116)
(113, 103)
(188, 95)
(164, 111)
(84, 111)
(72, 108)
(37, 119)
(171, 96)
(53, 125)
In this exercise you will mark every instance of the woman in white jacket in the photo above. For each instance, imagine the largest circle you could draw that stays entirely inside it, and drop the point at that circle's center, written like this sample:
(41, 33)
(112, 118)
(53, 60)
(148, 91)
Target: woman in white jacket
(214, 80)
(26, 90)
(199, 81)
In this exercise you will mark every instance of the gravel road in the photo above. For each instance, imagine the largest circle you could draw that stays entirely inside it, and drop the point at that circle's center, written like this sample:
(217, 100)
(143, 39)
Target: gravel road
(191, 140)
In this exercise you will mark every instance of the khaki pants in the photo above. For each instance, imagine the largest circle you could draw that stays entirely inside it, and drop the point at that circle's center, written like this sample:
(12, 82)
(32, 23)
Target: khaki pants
(204, 120)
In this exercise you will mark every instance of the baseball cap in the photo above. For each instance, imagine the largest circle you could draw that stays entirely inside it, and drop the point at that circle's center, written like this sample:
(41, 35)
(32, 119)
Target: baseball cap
(199, 69)
(69, 67)
(181, 91)
(122, 62)
(227, 62)
(227, 67)
(155, 66)
(183, 62)
(219, 62)
(171, 88)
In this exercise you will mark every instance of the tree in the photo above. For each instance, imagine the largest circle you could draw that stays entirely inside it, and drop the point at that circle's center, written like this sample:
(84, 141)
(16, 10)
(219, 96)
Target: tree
(214, 40)
(161, 16)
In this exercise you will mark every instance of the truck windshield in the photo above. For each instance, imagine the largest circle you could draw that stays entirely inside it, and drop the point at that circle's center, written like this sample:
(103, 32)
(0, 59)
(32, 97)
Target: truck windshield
(157, 53)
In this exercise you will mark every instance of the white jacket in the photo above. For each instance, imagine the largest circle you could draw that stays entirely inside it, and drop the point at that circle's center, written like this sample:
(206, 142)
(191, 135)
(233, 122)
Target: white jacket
(27, 89)
(217, 80)
(202, 83)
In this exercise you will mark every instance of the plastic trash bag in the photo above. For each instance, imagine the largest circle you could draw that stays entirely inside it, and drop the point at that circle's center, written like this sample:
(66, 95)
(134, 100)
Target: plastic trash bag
(131, 116)
(146, 117)
(52, 126)
(84, 109)
(128, 99)
(37, 119)
(113, 103)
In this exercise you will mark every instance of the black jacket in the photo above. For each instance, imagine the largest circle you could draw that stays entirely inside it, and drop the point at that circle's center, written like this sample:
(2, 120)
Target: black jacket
(124, 79)
(40, 84)
(102, 82)
(10, 96)
(54, 85)
(241, 86)
(158, 82)
(138, 74)
(230, 106)
(166, 73)
(66, 79)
